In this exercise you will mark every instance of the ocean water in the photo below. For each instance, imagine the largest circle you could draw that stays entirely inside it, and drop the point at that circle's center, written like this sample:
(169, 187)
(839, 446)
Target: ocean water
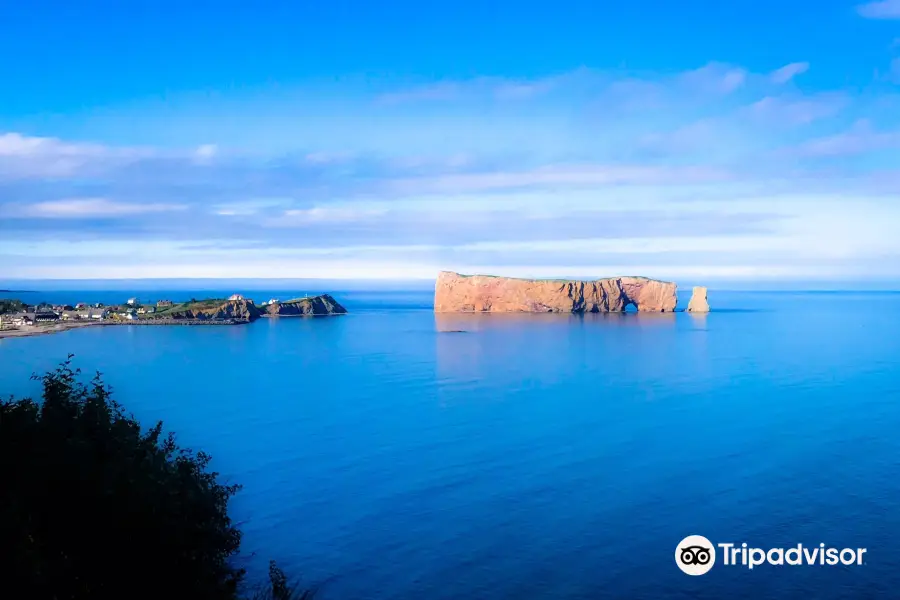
(396, 454)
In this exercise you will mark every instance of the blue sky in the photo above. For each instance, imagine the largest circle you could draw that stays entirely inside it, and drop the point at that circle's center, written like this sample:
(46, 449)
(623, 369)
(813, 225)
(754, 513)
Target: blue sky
(699, 141)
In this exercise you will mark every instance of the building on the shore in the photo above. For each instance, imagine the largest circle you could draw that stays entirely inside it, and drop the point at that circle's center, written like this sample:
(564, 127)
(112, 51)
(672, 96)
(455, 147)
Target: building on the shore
(270, 301)
(98, 305)
(235, 297)
(47, 316)
(131, 314)
(164, 303)
(70, 315)
(146, 310)
(91, 314)
(132, 302)
(80, 306)
(23, 320)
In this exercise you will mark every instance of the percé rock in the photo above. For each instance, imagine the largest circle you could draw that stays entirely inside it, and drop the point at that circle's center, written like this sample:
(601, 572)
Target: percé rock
(315, 306)
(699, 302)
(483, 293)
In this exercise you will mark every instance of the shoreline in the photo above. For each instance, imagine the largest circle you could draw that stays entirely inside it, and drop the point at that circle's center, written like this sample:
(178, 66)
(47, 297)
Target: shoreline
(60, 327)
(36, 330)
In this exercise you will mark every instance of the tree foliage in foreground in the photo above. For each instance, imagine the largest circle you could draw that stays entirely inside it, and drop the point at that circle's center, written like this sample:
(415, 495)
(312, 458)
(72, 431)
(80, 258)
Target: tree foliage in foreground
(91, 507)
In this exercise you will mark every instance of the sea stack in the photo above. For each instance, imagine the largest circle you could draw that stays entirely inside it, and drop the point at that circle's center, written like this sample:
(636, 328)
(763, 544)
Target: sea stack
(484, 293)
(699, 302)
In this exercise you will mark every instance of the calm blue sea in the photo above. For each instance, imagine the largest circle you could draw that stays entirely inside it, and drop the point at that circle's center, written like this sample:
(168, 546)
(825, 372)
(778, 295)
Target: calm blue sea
(395, 454)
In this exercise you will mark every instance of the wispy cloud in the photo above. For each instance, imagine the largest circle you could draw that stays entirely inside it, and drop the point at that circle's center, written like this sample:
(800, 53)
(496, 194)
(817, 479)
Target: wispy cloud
(494, 88)
(789, 71)
(716, 77)
(883, 9)
(798, 110)
(718, 166)
(859, 139)
(81, 208)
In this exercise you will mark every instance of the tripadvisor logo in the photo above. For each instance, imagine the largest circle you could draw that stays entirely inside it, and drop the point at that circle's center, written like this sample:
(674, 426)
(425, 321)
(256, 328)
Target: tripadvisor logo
(696, 555)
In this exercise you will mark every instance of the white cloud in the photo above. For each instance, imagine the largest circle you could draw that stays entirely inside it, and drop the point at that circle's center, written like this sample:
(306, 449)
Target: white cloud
(518, 188)
(555, 175)
(80, 208)
(24, 156)
(859, 139)
(789, 71)
(716, 78)
(498, 88)
(798, 110)
(884, 9)
(18, 145)
(325, 214)
(205, 153)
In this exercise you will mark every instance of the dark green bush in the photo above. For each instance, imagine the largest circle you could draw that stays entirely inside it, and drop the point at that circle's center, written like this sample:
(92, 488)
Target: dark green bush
(91, 507)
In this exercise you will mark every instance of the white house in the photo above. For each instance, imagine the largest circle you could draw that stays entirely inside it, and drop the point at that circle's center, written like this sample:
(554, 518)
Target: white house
(46, 316)
(235, 297)
(131, 315)
(132, 302)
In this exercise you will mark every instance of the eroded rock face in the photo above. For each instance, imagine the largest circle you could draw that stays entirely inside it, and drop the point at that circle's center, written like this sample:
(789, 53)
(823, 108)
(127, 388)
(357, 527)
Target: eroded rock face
(315, 306)
(240, 310)
(699, 302)
(483, 293)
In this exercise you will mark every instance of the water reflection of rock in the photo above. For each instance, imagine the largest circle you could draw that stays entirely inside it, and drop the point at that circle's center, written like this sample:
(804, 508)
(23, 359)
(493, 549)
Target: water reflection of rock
(512, 351)
(698, 319)
(476, 322)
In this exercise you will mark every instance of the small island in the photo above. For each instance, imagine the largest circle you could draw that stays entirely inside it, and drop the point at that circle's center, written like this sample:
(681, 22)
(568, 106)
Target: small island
(18, 319)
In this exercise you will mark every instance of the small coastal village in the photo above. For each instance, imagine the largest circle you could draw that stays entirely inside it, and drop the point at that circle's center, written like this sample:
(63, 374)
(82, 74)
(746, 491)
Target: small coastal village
(130, 310)
(18, 318)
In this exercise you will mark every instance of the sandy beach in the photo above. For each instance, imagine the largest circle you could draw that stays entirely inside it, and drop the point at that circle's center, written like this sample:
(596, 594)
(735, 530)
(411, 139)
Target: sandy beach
(44, 329)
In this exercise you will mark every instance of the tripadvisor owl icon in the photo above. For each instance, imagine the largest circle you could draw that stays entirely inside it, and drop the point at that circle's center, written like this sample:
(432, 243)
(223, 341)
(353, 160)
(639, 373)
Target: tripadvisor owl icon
(695, 555)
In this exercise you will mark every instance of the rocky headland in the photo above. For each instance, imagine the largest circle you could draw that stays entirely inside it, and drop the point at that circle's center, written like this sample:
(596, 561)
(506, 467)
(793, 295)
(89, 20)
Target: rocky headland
(484, 293)
(209, 310)
(304, 307)
(244, 310)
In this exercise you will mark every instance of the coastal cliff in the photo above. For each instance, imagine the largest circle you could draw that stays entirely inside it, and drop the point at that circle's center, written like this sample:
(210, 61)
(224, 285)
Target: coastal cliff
(214, 310)
(311, 307)
(483, 293)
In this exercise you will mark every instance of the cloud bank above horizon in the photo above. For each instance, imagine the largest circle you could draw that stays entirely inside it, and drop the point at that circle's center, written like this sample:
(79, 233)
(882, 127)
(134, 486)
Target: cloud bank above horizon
(715, 172)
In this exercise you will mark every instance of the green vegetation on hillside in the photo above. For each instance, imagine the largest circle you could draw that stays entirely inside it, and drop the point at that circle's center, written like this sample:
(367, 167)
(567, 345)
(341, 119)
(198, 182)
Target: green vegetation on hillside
(11, 305)
(93, 507)
(206, 304)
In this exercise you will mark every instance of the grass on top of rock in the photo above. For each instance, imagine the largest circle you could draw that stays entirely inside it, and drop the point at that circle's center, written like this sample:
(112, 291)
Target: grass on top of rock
(205, 304)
